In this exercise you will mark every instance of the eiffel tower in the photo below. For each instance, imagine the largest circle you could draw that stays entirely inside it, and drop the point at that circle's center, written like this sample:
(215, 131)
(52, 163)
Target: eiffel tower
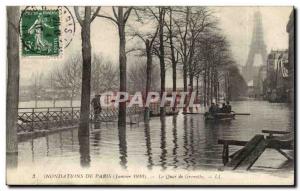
(257, 46)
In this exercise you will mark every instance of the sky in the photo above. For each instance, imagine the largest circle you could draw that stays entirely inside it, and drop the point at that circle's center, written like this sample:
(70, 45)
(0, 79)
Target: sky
(235, 22)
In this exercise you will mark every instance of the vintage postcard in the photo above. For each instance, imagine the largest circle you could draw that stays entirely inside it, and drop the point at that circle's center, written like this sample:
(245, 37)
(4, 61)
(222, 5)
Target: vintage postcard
(160, 95)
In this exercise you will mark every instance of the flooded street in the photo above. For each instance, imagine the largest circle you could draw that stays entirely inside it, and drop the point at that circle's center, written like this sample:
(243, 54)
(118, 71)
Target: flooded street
(173, 142)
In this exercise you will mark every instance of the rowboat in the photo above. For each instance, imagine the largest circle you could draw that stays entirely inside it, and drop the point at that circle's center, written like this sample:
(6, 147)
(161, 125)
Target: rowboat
(219, 116)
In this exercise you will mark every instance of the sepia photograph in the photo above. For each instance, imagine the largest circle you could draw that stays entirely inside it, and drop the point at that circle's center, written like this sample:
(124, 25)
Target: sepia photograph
(150, 95)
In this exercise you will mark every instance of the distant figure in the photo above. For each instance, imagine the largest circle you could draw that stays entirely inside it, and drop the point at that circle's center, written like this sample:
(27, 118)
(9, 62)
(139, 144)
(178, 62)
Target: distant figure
(213, 108)
(224, 108)
(228, 107)
(96, 106)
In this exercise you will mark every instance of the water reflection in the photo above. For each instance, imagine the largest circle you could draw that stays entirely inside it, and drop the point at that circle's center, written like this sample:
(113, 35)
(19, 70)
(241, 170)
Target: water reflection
(182, 141)
(174, 133)
(148, 145)
(185, 140)
(47, 145)
(72, 140)
(122, 145)
(163, 154)
(11, 160)
(84, 150)
(32, 150)
(192, 151)
(97, 134)
(61, 143)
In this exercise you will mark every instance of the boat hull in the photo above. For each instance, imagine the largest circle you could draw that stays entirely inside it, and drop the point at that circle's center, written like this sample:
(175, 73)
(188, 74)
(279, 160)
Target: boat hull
(219, 116)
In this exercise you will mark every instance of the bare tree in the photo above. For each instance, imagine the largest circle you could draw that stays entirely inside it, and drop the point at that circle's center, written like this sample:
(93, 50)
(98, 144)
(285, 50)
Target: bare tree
(36, 87)
(121, 15)
(138, 78)
(52, 88)
(190, 23)
(85, 24)
(213, 61)
(173, 51)
(148, 38)
(67, 78)
(159, 13)
(104, 75)
(182, 22)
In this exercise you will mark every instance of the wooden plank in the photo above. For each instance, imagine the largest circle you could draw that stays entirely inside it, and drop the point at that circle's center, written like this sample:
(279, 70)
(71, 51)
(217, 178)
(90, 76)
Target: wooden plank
(246, 152)
(232, 142)
(284, 154)
(275, 132)
(248, 162)
(272, 143)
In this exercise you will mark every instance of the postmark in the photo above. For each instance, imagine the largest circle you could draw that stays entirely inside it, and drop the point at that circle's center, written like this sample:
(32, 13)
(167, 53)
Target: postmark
(46, 31)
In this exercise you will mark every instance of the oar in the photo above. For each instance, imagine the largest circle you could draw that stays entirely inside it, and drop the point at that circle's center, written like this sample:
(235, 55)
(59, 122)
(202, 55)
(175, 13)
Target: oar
(187, 113)
(191, 113)
(241, 113)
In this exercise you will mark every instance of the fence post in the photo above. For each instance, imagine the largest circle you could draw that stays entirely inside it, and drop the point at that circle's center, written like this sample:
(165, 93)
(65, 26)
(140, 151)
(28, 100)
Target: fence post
(72, 116)
(47, 118)
(61, 118)
(32, 120)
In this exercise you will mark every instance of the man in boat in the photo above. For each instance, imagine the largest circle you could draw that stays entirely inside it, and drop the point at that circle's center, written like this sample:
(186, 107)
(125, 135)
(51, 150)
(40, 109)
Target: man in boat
(213, 108)
(224, 108)
(228, 107)
(96, 106)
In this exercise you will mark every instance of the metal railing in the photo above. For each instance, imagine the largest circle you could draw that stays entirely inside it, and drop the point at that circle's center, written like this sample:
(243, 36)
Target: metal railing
(47, 118)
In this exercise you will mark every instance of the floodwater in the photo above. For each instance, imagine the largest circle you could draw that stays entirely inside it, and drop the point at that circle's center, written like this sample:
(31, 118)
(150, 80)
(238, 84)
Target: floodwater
(173, 142)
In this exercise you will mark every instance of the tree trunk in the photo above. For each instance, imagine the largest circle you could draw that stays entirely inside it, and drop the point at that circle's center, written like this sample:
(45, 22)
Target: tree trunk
(12, 94)
(71, 101)
(185, 82)
(86, 75)
(162, 56)
(122, 65)
(229, 87)
(185, 56)
(205, 86)
(208, 86)
(191, 84)
(216, 85)
(173, 59)
(211, 85)
(197, 87)
(148, 78)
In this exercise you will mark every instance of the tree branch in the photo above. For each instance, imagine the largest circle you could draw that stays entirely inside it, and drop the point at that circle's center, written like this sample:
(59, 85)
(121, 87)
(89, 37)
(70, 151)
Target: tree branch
(127, 13)
(95, 14)
(80, 21)
(107, 17)
(115, 13)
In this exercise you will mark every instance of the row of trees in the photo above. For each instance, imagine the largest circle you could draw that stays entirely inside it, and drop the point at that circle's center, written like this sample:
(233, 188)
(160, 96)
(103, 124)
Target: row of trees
(187, 38)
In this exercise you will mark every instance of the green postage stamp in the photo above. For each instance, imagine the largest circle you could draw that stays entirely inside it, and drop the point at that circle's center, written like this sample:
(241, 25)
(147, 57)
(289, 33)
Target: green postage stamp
(40, 33)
